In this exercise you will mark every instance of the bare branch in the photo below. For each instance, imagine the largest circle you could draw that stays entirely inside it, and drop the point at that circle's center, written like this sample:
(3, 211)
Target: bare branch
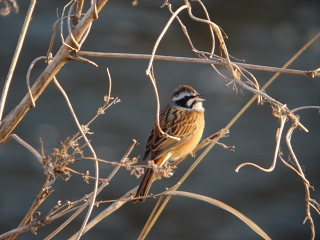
(197, 60)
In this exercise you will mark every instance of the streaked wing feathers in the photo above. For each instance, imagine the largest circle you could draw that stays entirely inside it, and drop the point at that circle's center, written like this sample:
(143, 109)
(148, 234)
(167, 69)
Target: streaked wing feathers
(182, 124)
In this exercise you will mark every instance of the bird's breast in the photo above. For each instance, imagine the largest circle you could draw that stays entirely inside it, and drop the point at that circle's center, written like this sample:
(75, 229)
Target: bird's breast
(192, 140)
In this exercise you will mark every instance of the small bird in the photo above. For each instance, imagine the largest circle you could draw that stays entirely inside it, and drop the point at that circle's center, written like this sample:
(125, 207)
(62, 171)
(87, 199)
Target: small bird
(182, 118)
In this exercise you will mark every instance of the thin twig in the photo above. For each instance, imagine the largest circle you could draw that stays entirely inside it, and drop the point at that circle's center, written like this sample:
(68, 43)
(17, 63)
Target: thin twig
(53, 35)
(276, 151)
(117, 204)
(28, 77)
(96, 183)
(157, 210)
(16, 56)
(45, 192)
(197, 60)
(28, 147)
(222, 43)
(204, 9)
(110, 86)
(183, 27)
(149, 70)
(10, 5)
(78, 11)
(71, 9)
(106, 212)
(305, 181)
(75, 45)
(305, 107)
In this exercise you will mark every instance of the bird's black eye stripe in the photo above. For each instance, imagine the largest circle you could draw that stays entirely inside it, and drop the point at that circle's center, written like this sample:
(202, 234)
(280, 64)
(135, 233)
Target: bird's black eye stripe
(183, 102)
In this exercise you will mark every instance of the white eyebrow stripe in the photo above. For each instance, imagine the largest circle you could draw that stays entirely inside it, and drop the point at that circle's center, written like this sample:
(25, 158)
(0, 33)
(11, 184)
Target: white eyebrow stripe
(181, 95)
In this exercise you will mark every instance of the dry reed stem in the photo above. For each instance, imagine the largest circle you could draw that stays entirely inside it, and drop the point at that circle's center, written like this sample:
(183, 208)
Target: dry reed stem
(109, 210)
(15, 57)
(225, 207)
(306, 73)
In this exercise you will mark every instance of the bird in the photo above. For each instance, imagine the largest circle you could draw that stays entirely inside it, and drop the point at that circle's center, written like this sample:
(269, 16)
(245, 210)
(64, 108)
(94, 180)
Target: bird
(182, 121)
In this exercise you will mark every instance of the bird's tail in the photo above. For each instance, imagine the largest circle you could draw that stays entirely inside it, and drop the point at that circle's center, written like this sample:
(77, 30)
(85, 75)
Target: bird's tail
(145, 185)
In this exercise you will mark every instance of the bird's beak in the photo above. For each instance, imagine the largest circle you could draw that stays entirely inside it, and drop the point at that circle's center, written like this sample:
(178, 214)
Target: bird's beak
(198, 99)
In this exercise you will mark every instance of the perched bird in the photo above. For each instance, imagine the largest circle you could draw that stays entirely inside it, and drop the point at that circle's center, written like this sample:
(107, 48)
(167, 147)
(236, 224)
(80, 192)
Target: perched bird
(182, 118)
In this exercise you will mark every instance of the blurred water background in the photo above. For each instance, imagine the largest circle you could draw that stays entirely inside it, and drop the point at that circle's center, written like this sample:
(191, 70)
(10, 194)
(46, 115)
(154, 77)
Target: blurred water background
(260, 32)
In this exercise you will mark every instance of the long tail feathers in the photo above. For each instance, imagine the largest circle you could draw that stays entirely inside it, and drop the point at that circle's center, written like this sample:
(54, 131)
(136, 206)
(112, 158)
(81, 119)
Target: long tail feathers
(145, 185)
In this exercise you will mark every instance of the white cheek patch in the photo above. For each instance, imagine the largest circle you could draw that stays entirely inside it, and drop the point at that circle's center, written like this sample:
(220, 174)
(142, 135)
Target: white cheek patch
(190, 102)
(198, 107)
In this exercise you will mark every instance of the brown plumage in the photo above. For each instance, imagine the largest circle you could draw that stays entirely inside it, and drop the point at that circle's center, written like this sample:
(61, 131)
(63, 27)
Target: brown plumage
(182, 117)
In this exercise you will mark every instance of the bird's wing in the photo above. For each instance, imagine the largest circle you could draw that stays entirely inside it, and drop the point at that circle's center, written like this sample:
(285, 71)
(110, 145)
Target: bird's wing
(179, 123)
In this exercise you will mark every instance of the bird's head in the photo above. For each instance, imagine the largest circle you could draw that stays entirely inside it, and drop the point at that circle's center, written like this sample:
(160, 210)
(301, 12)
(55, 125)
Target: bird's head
(187, 98)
